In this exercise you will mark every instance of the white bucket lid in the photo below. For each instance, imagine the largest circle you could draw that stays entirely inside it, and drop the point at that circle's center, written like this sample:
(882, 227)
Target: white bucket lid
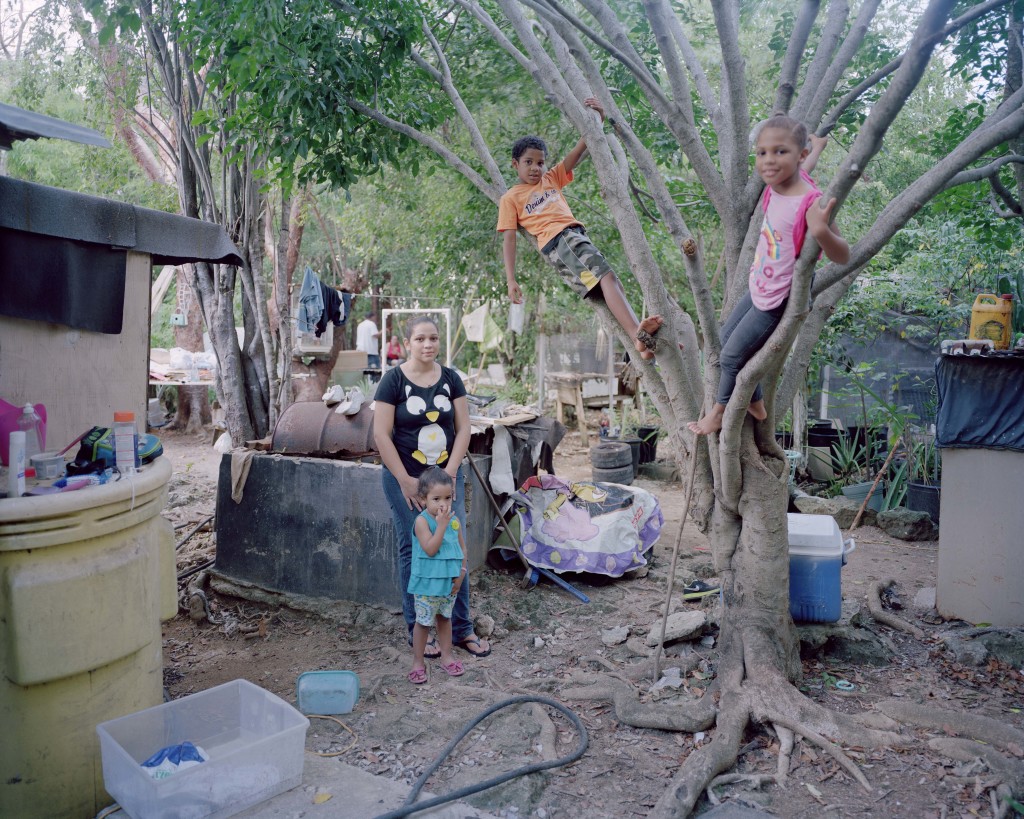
(815, 535)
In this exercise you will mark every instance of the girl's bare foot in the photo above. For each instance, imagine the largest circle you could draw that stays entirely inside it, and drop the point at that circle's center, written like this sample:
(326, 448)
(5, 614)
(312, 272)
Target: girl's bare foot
(757, 410)
(646, 344)
(712, 422)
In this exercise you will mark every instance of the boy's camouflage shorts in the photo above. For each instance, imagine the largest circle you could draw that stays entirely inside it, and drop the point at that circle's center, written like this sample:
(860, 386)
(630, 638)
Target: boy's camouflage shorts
(579, 263)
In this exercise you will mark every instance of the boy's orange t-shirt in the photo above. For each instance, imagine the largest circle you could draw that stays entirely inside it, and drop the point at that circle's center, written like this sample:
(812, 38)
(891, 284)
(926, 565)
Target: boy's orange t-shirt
(540, 208)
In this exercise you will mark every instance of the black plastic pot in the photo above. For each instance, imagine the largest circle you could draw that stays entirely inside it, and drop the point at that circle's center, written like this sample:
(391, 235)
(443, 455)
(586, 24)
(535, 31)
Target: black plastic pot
(648, 443)
(924, 497)
(822, 434)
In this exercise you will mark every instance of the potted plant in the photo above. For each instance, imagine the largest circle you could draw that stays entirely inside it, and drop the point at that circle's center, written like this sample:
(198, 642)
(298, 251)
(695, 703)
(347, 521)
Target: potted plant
(850, 465)
(924, 469)
(624, 430)
(639, 434)
(648, 435)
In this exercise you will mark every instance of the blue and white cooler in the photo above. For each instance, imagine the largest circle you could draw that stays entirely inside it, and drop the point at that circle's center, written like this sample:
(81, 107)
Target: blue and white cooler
(817, 553)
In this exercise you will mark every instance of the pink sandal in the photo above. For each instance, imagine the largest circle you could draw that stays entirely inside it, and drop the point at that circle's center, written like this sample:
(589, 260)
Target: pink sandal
(453, 669)
(418, 676)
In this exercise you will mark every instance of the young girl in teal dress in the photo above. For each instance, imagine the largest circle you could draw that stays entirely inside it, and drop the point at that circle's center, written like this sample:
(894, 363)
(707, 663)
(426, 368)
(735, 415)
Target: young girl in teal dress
(438, 571)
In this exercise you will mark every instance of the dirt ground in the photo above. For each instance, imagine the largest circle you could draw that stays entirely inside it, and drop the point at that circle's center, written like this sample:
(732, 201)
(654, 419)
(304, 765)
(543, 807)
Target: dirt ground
(546, 641)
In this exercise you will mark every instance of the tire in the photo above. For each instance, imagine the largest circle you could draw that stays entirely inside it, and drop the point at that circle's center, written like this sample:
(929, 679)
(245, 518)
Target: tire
(611, 454)
(617, 474)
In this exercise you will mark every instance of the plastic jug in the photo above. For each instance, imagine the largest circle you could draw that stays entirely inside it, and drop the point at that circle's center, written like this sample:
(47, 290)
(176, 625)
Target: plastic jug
(31, 424)
(991, 318)
(9, 415)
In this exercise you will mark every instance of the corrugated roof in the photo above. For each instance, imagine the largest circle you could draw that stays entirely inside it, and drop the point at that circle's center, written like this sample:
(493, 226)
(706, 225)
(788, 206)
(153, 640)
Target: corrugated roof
(17, 123)
(167, 237)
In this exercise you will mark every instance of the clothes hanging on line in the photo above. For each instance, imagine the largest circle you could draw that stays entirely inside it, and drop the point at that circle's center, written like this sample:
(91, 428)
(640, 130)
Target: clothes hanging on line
(311, 302)
(333, 310)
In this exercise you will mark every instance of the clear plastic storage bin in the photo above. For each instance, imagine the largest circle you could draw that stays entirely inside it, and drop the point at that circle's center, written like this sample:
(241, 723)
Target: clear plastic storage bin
(255, 741)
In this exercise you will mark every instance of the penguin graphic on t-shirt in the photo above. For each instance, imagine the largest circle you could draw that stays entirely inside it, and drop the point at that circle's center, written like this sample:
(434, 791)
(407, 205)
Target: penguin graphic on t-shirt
(431, 444)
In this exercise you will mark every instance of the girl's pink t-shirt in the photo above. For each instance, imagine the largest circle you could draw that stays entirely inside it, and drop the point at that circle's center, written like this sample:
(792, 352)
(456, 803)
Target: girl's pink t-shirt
(782, 234)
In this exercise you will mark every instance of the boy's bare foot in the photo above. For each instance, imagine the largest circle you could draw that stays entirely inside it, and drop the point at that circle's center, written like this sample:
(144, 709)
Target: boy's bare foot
(757, 410)
(711, 422)
(646, 344)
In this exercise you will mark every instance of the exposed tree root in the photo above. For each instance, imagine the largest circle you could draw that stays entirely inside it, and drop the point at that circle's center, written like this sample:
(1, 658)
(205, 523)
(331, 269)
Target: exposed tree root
(753, 780)
(696, 715)
(1008, 772)
(970, 633)
(632, 673)
(826, 745)
(888, 618)
(984, 729)
(786, 742)
(774, 700)
(704, 764)
(548, 734)
(1003, 797)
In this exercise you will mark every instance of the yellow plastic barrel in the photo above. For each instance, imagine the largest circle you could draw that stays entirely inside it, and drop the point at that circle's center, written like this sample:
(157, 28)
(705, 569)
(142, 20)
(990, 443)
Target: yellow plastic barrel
(991, 318)
(85, 579)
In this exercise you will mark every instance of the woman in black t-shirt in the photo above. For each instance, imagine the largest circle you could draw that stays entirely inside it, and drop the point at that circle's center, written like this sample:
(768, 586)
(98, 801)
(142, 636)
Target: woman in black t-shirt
(421, 419)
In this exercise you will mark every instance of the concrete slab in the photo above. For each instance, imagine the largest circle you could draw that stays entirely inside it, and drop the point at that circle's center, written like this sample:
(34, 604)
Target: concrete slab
(353, 793)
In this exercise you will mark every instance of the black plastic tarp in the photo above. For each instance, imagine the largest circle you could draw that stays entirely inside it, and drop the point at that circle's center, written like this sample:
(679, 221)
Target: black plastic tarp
(76, 284)
(981, 401)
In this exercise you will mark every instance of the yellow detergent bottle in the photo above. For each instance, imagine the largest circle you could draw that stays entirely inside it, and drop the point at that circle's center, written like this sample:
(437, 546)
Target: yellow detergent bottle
(991, 318)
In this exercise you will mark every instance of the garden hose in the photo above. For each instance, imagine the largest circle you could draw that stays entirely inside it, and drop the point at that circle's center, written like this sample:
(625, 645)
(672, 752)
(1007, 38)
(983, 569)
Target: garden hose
(409, 808)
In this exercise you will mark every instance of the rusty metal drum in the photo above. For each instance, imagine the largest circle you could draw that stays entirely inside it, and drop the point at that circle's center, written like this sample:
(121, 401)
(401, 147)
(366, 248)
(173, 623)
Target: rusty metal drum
(313, 428)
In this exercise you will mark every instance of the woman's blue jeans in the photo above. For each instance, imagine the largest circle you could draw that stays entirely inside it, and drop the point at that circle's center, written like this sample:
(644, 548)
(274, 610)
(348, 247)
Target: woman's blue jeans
(403, 518)
(743, 334)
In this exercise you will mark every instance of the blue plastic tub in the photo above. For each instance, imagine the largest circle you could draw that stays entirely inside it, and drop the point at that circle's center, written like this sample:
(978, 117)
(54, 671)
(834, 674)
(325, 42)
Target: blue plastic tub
(817, 554)
(327, 692)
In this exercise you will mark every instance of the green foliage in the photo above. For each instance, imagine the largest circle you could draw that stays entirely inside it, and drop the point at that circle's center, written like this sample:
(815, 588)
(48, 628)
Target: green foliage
(925, 285)
(518, 392)
(161, 331)
(924, 463)
(295, 67)
(980, 52)
(65, 88)
(895, 487)
(1014, 285)
(849, 460)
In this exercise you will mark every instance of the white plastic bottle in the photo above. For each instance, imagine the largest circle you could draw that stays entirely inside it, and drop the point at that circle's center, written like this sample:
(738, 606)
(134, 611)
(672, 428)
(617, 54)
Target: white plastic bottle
(16, 465)
(126, 443)
(31, 424)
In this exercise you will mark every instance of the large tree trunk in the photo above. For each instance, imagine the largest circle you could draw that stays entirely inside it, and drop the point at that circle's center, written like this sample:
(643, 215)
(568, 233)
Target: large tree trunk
(740, 491)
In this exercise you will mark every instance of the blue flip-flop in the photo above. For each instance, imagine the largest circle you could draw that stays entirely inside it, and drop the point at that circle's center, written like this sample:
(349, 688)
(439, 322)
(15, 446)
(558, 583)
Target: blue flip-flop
(431, 644)
(472, 641)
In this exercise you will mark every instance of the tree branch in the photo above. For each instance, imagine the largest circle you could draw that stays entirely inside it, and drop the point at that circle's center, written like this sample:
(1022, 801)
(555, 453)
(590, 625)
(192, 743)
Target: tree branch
(700, 80)
(732, 139)
(491, 191)
(475, 137)
(876, 77)
(797, 45)
(813, 99)
(499, 36)
(988, 171)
